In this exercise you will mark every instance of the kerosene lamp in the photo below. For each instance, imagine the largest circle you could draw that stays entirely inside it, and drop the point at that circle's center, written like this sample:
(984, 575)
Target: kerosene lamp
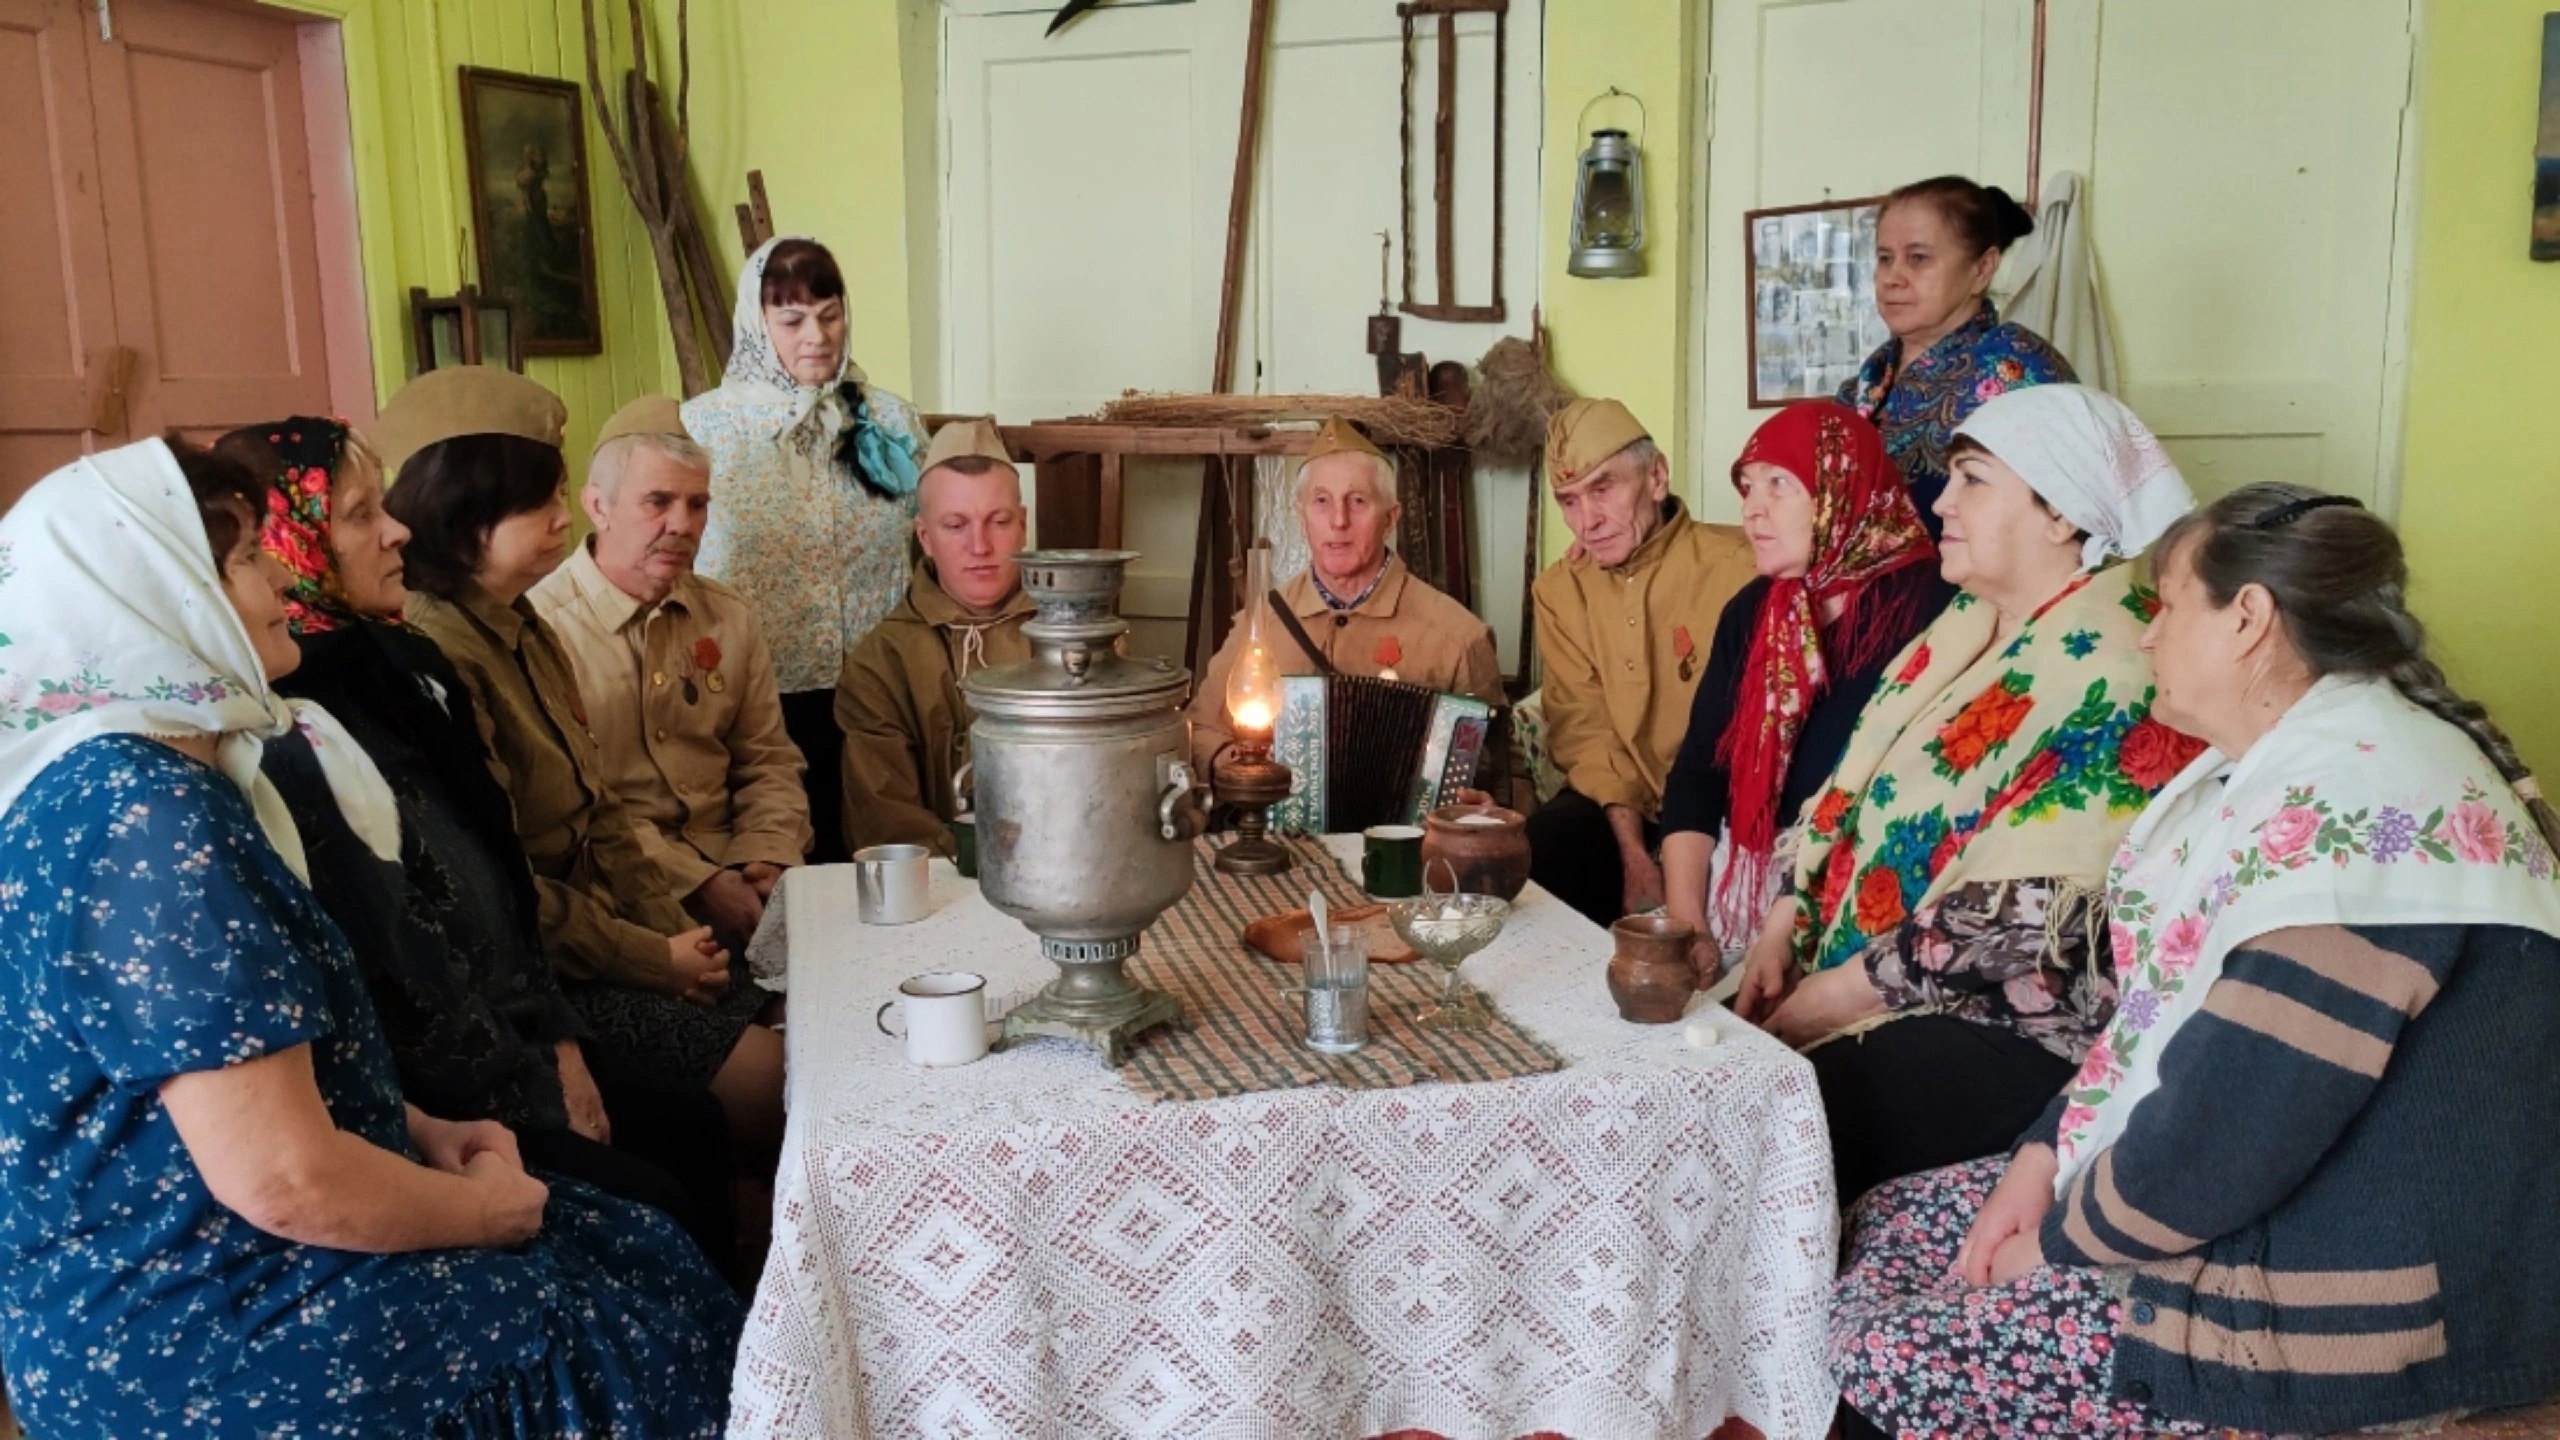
(1243, 775)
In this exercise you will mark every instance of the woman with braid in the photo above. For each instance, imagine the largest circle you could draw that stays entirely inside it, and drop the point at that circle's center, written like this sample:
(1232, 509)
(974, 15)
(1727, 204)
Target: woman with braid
(2308, 1180)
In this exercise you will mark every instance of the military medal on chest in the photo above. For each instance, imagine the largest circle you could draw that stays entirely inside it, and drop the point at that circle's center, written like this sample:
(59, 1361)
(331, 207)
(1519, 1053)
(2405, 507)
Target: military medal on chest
(706, 658)
(1389, 655)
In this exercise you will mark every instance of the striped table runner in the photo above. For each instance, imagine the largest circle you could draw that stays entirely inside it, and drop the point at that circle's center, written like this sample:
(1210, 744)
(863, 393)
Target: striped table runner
(1241, 1032)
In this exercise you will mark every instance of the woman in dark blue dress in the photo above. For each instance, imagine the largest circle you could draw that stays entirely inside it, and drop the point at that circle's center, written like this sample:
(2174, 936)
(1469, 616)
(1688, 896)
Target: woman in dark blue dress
(220, 1217)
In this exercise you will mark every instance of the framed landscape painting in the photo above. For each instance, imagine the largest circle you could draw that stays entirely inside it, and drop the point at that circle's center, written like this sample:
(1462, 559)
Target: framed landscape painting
(525, 141)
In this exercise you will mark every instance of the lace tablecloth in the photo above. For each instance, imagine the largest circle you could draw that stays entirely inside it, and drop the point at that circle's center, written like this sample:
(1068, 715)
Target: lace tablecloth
(1638, 1245)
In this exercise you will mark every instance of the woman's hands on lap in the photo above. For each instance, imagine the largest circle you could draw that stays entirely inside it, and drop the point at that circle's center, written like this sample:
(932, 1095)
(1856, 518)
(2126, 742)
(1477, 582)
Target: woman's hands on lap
(578, 1091)
(511, 1201)
(701, 967)
(484, 1153)
(2003, 1243)
(1825, 1004)
(1769, 966)
(449, 1145)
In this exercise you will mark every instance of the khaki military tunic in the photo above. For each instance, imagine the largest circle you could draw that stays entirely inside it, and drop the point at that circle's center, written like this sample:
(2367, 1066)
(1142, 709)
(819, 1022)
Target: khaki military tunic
(681, 698)
(1622, 650)
(605, 912)
(905, 719)
(1404, 625)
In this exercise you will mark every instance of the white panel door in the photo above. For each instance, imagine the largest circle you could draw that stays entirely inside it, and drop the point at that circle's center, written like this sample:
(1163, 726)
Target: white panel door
(1817, 100)
(1085, 215)
(2246, 194)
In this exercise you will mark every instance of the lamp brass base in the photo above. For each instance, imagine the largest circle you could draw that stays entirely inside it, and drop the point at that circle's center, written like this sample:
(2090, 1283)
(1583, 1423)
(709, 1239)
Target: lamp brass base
(1092, 1000)
(1253, 855)
(1252, 782)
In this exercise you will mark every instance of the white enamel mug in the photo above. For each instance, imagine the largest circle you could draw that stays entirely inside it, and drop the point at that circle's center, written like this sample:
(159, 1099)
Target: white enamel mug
(945, 1018)
(891, 883)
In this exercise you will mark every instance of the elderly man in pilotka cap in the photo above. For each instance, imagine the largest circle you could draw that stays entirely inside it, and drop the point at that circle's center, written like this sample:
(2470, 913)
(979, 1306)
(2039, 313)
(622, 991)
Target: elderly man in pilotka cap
(1623, 624)
(1357, 602)
(905, 720)
(679, 686)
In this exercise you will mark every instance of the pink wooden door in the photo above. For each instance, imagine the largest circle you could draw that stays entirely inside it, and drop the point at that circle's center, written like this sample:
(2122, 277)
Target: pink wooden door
(207, 197)
(57, 317)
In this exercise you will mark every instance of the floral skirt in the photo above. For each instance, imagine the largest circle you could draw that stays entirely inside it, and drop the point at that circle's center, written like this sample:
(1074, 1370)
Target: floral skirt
(1921, 1353)
(655, 1039)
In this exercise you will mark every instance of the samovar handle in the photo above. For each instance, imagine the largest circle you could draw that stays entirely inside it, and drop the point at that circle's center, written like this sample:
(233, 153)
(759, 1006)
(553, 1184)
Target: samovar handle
(961, 792)
(1178, 775)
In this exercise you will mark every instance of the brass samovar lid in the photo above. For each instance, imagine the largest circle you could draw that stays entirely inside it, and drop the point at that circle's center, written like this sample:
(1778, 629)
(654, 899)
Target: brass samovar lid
(1076, 669)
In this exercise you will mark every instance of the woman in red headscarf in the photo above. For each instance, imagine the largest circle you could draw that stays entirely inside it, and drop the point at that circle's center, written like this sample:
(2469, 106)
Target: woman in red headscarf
(1847, 577)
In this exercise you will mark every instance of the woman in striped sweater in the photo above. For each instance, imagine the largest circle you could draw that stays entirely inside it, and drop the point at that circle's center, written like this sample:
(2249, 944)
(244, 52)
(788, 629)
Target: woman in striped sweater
(2309, 1180)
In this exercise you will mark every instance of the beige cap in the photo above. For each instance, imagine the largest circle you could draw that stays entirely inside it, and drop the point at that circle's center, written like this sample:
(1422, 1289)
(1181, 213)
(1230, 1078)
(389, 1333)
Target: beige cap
(464, 400)
(648, 415)
(965, 437)
(1339, 437)
(1585, 433)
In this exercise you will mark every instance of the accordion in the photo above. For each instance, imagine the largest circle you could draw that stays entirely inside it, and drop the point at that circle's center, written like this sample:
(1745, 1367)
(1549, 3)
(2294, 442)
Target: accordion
(1372, 752)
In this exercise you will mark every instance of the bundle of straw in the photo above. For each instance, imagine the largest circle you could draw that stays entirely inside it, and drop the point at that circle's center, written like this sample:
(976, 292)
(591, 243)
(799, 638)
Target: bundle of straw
(1389, 420)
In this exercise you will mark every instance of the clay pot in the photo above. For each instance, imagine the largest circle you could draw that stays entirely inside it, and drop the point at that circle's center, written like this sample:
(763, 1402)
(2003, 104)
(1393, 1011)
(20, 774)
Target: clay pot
(1486, 844)
(1650, 977)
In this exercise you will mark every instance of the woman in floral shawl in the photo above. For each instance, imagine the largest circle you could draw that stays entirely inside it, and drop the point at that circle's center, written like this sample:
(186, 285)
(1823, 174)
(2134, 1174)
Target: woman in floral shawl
(2303, 1184)
(813, 491)
(1848, 577)
(1948, 878)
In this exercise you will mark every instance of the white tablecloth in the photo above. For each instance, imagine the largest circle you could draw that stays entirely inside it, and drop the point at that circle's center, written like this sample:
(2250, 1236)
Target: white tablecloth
(1638, 1245)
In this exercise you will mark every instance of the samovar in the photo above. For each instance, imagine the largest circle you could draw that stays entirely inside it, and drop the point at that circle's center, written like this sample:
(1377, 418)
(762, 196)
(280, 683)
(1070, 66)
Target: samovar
(1083, 787)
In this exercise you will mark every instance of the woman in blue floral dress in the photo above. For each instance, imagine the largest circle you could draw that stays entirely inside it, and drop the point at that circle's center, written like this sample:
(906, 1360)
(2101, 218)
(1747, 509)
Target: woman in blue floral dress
(220, 1218)
(1938, 243)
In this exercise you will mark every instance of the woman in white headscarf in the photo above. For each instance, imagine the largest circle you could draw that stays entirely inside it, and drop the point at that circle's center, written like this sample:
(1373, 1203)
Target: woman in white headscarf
(813, 490)
(1934, 954)
(221, 1216)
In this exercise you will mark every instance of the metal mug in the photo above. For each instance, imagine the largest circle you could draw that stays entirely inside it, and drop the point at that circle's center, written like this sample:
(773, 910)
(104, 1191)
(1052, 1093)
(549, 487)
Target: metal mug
(892, 883)
(945, 1016)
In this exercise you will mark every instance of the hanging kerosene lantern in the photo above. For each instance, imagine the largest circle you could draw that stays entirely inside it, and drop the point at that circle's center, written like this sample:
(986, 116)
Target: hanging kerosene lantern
(1608, 201)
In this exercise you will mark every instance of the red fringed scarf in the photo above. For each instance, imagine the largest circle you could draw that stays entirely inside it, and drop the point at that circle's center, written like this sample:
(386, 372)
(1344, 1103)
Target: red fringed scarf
(1864, 526)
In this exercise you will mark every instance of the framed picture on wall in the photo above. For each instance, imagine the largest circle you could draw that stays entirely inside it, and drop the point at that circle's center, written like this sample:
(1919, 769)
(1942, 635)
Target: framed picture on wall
(2546, 149)
(525, 143)
(1813, 297)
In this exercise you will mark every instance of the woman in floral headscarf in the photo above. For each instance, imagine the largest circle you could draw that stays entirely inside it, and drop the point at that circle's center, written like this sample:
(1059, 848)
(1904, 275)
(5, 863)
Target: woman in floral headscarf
(1945, 893)
(1848, 576)
(448, 938)
(813, 491)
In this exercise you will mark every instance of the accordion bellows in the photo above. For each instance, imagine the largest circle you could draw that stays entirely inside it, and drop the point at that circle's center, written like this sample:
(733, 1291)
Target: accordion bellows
(1369, 752)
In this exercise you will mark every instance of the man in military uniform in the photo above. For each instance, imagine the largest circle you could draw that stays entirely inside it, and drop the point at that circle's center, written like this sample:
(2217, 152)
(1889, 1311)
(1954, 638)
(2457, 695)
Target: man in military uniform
(906, 721)
(1356, 601)
(1623, 624)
